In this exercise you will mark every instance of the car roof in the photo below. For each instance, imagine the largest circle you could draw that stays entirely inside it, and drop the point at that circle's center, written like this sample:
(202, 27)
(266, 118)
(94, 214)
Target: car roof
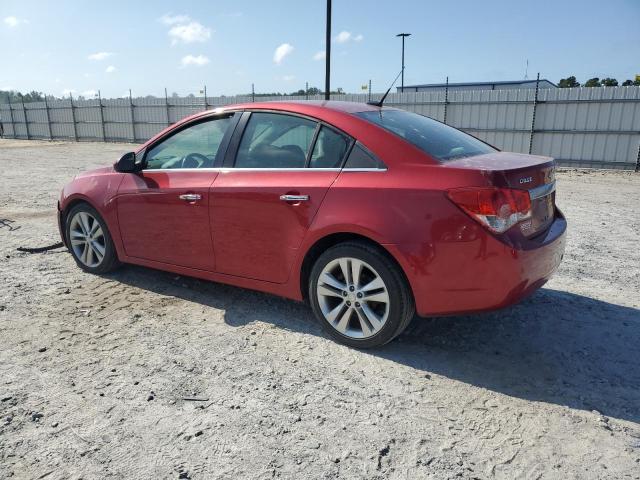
(300, 105)
(308, 107)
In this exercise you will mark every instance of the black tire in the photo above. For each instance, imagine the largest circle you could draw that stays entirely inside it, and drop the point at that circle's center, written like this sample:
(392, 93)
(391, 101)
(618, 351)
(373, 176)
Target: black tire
(110, 260)
(401, 306)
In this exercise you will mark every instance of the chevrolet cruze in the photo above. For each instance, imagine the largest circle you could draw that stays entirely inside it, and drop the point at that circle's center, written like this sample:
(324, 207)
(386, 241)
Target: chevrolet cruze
(369, 214)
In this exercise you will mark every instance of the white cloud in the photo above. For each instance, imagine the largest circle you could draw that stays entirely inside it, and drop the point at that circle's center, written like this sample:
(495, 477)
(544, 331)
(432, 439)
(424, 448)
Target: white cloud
(289, 78)
(68, 91)
(184, 29)
(90, 93)
(110, 69)
(169, 19)
(281, 52)
(342, 37)
(345, 37)
(189, 33)
(99, 56)
(198, 61)
(13, 22)
(321, 55)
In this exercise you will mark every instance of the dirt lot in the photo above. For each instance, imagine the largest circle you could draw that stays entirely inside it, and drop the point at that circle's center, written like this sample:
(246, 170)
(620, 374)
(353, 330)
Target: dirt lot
(95, 371)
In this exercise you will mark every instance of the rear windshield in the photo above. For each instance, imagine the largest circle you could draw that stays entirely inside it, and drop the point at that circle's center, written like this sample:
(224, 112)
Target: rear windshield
(435, 138)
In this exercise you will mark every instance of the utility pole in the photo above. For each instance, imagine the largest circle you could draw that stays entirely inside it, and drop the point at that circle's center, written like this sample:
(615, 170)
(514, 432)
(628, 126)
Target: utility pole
(403, 35)
(327, 76)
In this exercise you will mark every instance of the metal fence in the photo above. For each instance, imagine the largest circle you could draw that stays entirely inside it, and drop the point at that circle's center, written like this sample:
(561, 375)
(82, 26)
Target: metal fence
(582, 127)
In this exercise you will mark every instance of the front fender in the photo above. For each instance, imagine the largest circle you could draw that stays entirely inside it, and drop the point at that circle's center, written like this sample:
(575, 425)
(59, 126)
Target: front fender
(99, 191)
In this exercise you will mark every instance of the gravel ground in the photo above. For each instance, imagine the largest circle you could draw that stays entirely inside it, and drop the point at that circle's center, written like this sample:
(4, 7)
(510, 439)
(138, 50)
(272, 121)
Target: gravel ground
(98, 374)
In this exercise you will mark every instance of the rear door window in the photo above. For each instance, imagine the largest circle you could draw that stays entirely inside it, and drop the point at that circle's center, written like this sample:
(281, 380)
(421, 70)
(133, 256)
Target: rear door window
(329, 150)
(273, 140)
(361, 158)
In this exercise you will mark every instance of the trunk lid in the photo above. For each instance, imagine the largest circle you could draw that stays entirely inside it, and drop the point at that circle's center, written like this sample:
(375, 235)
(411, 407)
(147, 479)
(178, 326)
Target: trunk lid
(533, 173)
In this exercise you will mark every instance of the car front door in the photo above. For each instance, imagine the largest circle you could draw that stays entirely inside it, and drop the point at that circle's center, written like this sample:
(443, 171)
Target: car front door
(262, 206)
(163, 211)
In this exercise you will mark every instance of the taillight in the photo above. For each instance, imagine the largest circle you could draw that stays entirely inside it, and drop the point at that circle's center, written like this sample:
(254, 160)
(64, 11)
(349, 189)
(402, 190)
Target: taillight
(497, 208)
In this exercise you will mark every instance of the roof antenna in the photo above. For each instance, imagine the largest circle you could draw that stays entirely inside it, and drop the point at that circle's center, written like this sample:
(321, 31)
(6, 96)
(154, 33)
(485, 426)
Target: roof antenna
(381, 101)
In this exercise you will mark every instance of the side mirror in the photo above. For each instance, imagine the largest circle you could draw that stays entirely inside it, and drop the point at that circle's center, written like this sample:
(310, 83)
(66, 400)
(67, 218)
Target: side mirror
(127, 163)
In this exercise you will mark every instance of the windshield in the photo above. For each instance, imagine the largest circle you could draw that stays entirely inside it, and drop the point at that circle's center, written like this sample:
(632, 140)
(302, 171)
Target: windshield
(435, 138)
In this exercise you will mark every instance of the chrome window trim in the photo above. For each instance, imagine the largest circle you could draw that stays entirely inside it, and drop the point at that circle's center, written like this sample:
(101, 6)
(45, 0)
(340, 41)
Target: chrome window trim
(542, 190)
(231, 169)
(271, 169)
(364, 169)
(180, 170)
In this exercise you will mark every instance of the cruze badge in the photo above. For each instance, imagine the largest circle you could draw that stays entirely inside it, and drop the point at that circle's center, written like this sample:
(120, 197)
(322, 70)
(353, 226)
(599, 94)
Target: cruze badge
(526, 180)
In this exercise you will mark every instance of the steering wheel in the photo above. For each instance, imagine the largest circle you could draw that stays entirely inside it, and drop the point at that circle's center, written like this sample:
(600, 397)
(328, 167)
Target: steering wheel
(194, 160)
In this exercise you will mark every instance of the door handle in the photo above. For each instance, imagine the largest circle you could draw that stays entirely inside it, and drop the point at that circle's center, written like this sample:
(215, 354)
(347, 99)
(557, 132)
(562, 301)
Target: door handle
(294, 198)
(190, 197)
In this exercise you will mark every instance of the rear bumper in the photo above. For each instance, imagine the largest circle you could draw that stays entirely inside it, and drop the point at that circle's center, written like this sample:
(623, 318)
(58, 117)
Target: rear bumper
(480, 272)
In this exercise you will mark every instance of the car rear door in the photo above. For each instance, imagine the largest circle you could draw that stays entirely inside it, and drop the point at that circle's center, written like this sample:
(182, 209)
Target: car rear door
(163, 210)
(264, 202)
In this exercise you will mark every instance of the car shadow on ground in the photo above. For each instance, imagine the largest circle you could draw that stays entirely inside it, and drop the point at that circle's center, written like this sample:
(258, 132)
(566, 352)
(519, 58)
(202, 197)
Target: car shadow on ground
(554, 347)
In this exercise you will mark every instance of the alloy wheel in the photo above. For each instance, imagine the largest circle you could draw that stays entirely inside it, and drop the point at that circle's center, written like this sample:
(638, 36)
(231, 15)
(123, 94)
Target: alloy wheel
(353, 297)
(87, 239)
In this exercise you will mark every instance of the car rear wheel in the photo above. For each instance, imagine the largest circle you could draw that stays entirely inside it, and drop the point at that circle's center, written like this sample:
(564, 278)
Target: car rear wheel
(360, 295)
(89, 240)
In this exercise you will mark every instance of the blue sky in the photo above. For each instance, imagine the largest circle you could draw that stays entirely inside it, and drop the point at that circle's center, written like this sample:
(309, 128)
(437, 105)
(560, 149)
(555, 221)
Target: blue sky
(115, 45)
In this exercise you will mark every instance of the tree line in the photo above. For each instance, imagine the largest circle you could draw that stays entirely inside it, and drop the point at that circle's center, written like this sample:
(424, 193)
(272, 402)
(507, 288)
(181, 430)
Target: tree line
(12, 96)
(17, 97)
(571, 82)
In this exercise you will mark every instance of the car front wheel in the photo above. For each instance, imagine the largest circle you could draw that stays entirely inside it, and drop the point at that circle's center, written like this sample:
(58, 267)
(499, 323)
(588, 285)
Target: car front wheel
(360, 295)
(89, 240)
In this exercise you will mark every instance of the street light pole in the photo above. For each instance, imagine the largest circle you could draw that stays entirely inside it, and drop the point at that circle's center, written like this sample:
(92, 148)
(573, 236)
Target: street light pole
(403, 35)
(327, 77)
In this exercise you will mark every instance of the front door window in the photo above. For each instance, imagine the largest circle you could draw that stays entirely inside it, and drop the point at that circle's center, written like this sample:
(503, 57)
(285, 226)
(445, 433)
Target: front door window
(193, 147)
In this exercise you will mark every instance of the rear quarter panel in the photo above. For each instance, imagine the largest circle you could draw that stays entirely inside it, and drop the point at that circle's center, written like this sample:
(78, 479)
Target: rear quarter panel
(404, 210)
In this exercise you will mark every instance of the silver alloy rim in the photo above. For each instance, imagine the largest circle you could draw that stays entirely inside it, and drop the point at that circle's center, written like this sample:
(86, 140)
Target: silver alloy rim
(87, 239)
(353, 297)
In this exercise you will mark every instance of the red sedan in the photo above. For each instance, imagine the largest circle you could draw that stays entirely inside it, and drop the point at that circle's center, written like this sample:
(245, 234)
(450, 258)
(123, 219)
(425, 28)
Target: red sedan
(369, 214)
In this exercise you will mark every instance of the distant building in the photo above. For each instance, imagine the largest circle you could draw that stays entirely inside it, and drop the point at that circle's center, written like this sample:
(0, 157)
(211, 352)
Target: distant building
(503, 85)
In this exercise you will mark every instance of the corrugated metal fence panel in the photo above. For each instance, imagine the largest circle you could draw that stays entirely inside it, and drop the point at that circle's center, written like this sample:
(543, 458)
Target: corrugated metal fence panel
(19, 119)
(37, 118)
(589, 126)
(6, 113)
(430, 104)
(499, 117)
(117, 120)
(61, 119)
(183, 107)
(150, 116)
(581, 126)
(88, 119)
